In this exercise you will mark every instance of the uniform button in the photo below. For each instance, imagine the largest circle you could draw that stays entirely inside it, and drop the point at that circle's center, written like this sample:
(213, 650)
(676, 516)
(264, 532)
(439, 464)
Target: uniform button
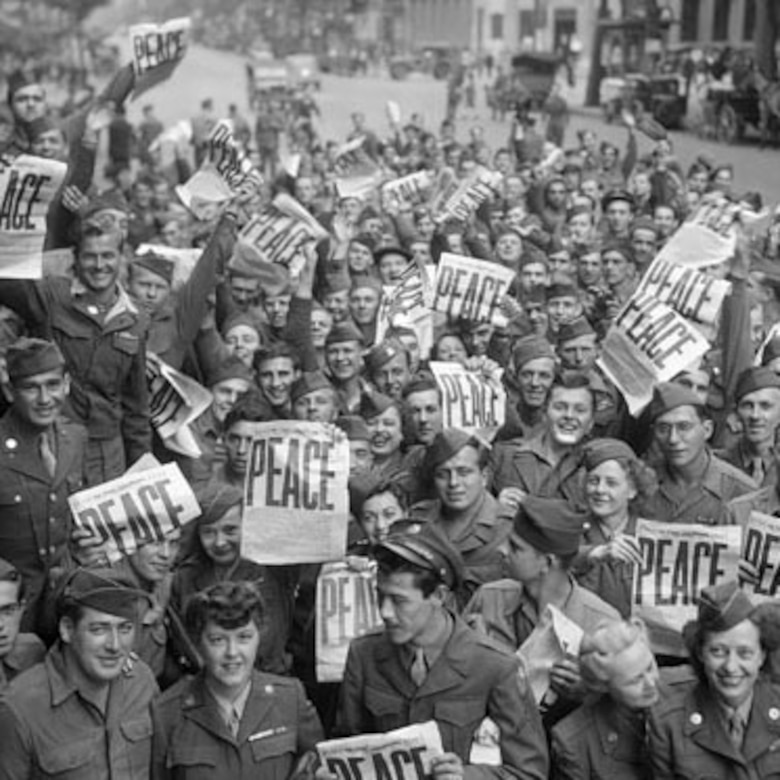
(52, 496)
(42, 552)
(52, 550)
(269, 688)
(612, 737)
(18, 499)
(52, 520)
(774, 713)
(696, 719)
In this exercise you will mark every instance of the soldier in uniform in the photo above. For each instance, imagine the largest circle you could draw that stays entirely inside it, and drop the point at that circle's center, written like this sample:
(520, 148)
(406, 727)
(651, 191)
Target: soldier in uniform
(694, 485)
(468, 515)
(728, 724)
(41, 464)
(231, 721)
(83, 713)
(428, 665)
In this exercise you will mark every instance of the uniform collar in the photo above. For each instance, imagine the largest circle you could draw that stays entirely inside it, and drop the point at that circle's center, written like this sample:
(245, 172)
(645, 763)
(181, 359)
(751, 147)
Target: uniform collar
(122, 304)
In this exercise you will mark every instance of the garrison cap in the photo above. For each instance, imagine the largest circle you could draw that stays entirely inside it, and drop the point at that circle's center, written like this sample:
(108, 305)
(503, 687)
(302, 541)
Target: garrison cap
(670, 395)
(579, 326)
(20, 79)
(373, 404)
(723, 606)
(231, 367)
(771, 351)
(427, 548)
(160, 266)
(383, 353)
(344, 331)
(620, 246)
(391, 250)
(445, 444)
(31, 356)
(564, 288)
(361, 281)
(308, 382)
(530, 348)
(598, 451)
(105, 590)
(755, 378)
(550, 525)
(354, 427)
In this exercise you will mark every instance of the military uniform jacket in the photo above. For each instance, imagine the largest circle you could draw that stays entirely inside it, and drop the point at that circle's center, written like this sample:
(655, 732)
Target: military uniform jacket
(106, 359)
(35, 520)
(765, 500)
(49, 731)
(526, 464)
(471, 679)
(704, 503)
(688, 739)
(192, 742)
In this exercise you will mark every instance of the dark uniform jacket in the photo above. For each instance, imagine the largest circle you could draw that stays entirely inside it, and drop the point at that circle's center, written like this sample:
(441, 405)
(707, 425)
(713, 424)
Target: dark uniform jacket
(106, 360)
(35, 520)
(472, 679)
(49, 731)
(526, 464)
(192, 742)
(688, 738)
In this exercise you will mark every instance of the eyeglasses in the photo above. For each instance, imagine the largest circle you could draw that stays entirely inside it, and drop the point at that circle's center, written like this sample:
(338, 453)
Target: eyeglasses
(683, 428)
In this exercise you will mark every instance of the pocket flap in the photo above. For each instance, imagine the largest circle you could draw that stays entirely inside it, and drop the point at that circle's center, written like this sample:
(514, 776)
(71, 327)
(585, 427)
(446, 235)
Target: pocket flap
(64, 757)
(275, 745)
(192, 755)
(381, 702)
(136, 730)
(460, 713)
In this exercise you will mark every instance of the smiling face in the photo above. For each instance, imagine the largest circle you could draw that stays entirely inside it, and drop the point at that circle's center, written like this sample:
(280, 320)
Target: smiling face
(153, 561)
(364, 304)
(225, 395)
(609, 489)
(732, 660)
(221, 540)
(535, 379)
(243, 341)
(275, 377)
(229, 654)
(425, 414)
(386, 432)
(635, 680)
(460, 481)
(759, 413)
(379, 512)
(38, 399)
(98, 643)
(98, 261)
(682, 435)
(570, 412)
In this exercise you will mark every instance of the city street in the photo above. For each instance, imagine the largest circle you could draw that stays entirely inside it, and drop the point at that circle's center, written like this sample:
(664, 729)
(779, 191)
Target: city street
(220, 75)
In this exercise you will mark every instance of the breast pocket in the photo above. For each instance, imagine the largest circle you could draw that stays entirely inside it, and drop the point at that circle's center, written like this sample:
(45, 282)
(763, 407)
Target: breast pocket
(71, 760)
(274, 756)
(137, 735)
(193, 761)
(458, 722)
(385, 710)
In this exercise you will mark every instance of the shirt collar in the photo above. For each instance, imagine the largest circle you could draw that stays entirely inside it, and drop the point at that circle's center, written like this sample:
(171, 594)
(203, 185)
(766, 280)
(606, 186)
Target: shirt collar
(122, 304)
(226, 706)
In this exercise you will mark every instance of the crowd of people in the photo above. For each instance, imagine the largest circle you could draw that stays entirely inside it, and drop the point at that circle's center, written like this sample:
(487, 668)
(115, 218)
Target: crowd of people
(186, 659)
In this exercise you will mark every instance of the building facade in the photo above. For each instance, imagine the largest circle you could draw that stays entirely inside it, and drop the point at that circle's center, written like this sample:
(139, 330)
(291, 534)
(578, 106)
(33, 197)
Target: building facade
(712, 22)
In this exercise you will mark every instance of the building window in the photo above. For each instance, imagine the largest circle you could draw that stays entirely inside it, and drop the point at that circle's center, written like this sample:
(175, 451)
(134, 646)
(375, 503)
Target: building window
(497, 26)
(720, 20)
(689, 20)
(527, 25)
(749, 20)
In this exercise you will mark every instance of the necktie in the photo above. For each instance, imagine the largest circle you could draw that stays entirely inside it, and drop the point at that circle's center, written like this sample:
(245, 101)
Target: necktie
(47, 454)
(234, 721)
(757, 468)
(736, 730)
(419, 668)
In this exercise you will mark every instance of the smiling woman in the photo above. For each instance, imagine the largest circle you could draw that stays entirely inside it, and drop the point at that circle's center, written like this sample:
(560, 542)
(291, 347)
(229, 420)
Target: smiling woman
(729, 723)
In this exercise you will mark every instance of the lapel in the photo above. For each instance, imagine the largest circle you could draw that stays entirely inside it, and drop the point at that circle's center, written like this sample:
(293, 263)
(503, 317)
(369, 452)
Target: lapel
(201, 709)
(67, 452)
(763, 729)
(19, 449)
(704, 725)
(617, 735)
(260, 704)
(451, 668)
(392, 670)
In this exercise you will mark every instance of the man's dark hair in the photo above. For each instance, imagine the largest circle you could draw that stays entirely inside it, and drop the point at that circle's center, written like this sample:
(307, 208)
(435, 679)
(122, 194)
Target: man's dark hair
(390, 563)
(277, 349)
(249, 408)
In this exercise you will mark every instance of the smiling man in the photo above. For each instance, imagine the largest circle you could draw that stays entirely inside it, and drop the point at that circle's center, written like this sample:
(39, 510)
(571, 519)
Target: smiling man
(102, 335)
(83, 713)
(41, 464)
(757, 401)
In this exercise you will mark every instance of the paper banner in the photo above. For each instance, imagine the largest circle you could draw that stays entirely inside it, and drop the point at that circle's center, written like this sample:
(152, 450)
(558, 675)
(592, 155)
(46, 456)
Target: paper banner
(404, 754)
(140, 507)
(761, 549)
(297, 506)
(157, 50)
(470, 400)
(678, 560)
(346, 608)
(28, 185)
